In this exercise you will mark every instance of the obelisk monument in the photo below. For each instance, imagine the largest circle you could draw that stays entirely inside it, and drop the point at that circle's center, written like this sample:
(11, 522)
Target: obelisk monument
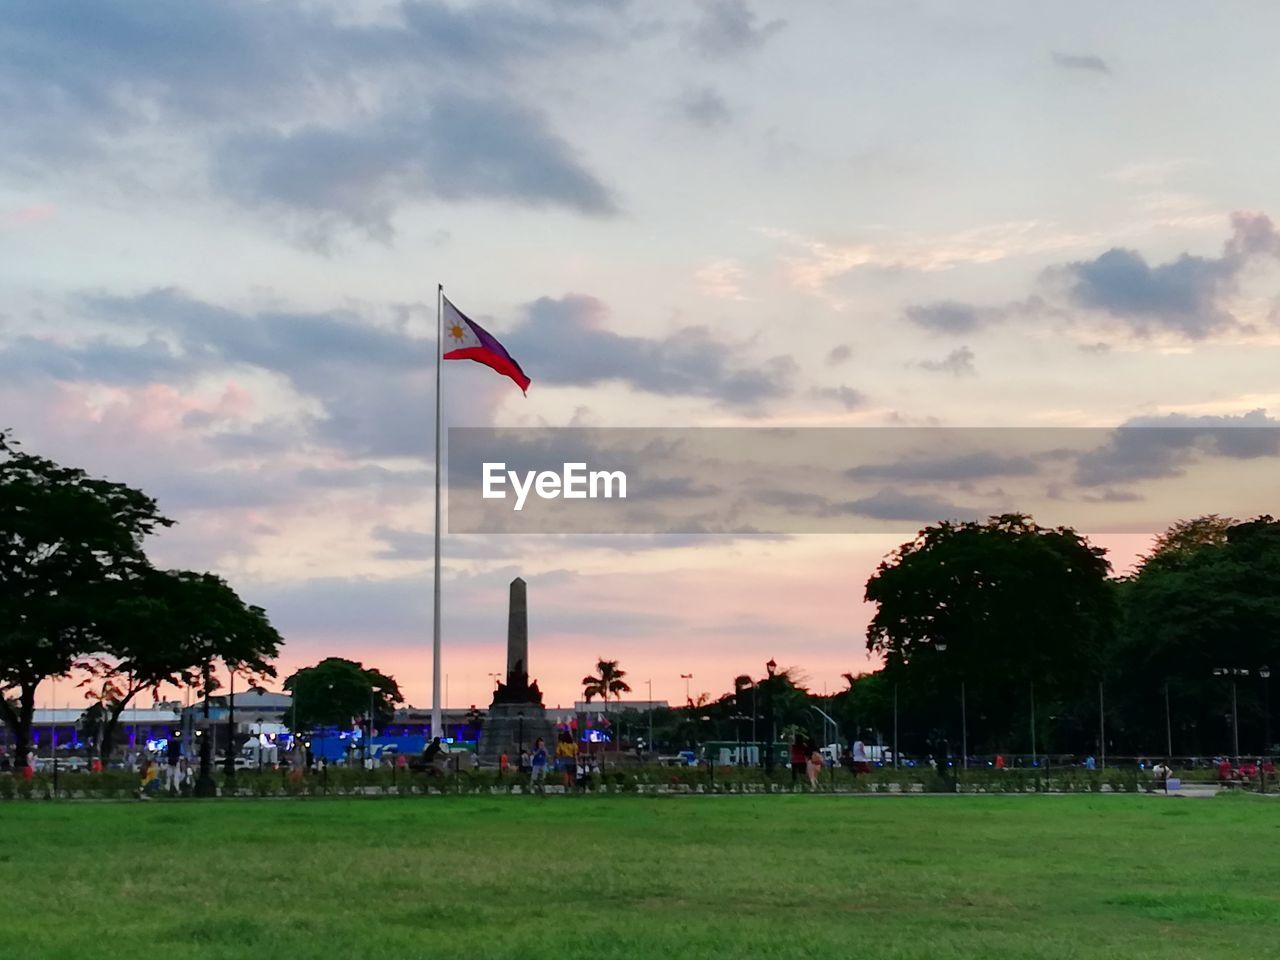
(517, 717)
(518, 631)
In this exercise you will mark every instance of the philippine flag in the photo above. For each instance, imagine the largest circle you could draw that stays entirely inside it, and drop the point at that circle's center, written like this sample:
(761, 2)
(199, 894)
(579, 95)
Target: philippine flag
(464, 339)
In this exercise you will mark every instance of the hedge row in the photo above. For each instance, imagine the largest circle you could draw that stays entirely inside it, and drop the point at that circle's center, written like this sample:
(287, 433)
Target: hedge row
(339, 781)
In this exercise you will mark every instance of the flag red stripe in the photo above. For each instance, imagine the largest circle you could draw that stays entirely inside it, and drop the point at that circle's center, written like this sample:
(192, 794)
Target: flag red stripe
(492, 360)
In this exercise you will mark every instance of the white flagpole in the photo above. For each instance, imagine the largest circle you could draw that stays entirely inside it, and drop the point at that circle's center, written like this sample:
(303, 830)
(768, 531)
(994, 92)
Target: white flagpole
(436, 725)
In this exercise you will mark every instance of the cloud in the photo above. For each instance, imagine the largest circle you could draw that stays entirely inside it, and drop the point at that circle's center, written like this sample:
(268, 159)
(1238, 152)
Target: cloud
(1088, 62)
(1111, 495)
(98, 359)
(948, 316)
(961, 468)
(285, 105)
(896, 505)
(1189, 296)
(1186, 296)
(462, 148)
(839, 355)
(362, 477)
(727, 28)
(958, 362)
(705, 107)
(721, 279)
(846, 396)
(567, 342)
(1153, 448)
(328, 359)
(822, 262)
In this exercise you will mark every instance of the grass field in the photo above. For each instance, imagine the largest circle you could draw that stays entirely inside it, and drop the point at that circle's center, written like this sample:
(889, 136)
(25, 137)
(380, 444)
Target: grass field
(733, 877)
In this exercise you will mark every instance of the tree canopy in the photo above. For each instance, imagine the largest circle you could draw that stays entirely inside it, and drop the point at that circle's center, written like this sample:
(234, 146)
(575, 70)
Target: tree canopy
(77, 591)
(996, 605)
(335, 691)
(606, 683)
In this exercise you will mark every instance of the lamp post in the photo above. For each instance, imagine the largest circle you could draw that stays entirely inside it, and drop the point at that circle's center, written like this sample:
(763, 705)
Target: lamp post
(737, 719)
(368, 733)
(649, 742)
(229, 763)
(1265, 673)
(1102, 726)
(1033, 722)
(941, 647)
(686, 677)
(771, 668)
(755, 741)
(1233, 673)
(205, 787)
(895, 724)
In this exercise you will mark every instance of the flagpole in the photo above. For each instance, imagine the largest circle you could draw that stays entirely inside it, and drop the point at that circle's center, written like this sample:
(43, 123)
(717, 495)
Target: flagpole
(436, 725)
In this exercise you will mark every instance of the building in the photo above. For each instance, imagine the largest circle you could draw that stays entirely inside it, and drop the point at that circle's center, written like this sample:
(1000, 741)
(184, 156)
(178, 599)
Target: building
(619, 706)
(64, 728)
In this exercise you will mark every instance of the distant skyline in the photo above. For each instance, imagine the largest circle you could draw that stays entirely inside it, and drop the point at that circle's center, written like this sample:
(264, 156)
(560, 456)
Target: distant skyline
(222, 226)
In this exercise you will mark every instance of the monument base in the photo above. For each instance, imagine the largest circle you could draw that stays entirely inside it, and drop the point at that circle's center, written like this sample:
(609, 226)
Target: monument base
(511, 726)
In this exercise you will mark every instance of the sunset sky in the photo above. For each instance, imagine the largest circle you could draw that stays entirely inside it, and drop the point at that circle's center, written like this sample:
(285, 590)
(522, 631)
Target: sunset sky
(222, 226)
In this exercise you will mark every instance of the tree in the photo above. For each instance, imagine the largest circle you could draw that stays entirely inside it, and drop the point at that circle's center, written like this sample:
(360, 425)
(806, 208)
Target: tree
(1176, 546)
(608, 683)
(1212, 603)
(170, 627)
(866, 704)
(1013, 603)
(63, 536)
(334, 691)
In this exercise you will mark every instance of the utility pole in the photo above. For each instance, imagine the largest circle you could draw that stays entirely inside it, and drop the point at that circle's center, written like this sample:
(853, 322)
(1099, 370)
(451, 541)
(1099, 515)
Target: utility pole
(1102, 726)
(649, 683)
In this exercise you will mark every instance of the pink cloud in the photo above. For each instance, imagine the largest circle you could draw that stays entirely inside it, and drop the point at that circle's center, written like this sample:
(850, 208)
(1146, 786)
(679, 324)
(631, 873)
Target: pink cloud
(35, 213)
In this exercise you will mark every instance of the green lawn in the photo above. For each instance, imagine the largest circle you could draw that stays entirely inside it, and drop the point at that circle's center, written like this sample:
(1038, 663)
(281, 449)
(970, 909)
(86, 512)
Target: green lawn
(733, 877)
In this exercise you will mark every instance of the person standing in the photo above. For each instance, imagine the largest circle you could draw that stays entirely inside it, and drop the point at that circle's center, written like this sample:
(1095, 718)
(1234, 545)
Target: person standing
(861, 762)
(814, 767)
(799, 758)
(538, 765)
(173, 783)
(503, 764)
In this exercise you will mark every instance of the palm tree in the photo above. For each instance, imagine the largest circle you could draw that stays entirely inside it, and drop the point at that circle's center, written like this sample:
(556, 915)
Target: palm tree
(608, 683)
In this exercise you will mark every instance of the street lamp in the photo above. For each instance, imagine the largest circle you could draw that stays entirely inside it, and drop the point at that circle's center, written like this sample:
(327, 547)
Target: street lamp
(686, 677)
(737, 719)
(771, 668)
(1265, 674)
(941, 647)
(1032, 684)
(230, 759)
(205, 786)
(649, 743)
(1233, 673)
(895, 724)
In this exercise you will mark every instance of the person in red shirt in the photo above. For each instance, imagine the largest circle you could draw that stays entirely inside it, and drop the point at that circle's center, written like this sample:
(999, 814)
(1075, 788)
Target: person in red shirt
(1224, 769)
(799, 758)
(503, 764)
